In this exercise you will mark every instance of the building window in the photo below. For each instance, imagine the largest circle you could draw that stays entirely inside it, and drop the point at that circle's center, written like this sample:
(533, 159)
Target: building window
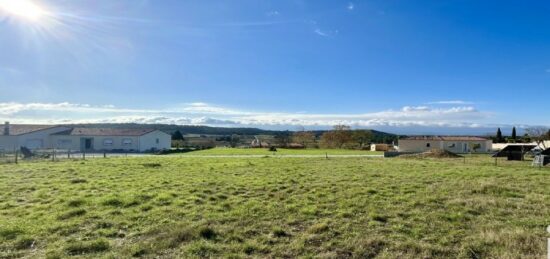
(108, 142)
(127, 142)
(428, 145)
(158, 141)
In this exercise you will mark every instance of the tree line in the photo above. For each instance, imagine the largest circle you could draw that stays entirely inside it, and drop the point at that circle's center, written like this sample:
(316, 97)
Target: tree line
(341, 136)
(532, 134)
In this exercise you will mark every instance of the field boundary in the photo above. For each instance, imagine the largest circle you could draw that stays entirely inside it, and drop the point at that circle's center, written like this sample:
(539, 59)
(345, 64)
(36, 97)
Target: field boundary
(281, 156)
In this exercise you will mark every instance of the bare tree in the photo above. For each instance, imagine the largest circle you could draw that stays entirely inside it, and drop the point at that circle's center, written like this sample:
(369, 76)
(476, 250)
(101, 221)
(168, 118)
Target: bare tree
(306, 138)
(283, 139)
(539, 135)
(338, 137)
(234, 140)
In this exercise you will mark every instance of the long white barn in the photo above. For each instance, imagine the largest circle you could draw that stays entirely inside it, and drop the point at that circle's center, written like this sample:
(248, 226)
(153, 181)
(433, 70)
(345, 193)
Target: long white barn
(15, 136)
(455, 144)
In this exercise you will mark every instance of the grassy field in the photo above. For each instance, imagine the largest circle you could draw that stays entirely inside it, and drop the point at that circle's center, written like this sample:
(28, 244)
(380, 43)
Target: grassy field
(182, 207)
(280, 151)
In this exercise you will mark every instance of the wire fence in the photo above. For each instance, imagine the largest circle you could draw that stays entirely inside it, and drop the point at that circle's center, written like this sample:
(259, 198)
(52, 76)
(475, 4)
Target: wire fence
(18, 156)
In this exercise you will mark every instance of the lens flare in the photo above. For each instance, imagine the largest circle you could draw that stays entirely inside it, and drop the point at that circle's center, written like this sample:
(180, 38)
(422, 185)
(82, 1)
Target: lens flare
(23, 8)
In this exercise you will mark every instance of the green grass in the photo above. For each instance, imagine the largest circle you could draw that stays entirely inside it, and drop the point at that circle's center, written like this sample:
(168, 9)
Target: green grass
(280, 151)
(186, 207)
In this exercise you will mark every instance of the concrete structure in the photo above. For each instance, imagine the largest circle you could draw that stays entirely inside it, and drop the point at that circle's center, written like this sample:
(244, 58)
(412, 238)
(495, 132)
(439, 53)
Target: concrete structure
(515, 152)
(453, 144)
(501, 146)
(82, 139)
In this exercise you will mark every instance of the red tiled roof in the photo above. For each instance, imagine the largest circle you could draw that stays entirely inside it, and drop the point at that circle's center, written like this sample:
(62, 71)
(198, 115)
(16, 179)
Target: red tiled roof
(20, 129)
(445, 138)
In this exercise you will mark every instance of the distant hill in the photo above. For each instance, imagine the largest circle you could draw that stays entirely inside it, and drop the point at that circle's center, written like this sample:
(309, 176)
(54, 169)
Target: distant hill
(184, 129)
(378, 136)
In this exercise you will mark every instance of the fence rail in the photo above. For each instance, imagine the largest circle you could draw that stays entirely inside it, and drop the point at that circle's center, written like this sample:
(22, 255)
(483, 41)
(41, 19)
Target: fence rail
(55, 155)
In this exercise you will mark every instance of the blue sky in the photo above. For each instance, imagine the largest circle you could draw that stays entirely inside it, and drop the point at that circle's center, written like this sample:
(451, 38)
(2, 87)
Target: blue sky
(401, 66)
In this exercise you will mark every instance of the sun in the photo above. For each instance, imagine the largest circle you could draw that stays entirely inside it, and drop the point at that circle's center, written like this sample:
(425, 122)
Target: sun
(23, 8)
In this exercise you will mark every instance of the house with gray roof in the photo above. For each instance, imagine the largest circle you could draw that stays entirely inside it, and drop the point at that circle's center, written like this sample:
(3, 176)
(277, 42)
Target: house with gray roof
(15, 136)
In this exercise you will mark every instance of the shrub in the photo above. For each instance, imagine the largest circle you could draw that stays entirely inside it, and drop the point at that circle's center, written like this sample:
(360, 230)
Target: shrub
(207, 233)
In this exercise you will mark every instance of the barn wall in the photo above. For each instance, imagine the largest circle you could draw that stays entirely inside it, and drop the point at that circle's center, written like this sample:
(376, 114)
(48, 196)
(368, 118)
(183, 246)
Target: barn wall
(38, 139)
(8, 143)
(68, 142)
(156, 140)
(452, 146)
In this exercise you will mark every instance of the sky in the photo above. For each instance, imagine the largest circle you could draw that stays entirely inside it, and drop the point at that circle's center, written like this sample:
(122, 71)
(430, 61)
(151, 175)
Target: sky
(408, 67)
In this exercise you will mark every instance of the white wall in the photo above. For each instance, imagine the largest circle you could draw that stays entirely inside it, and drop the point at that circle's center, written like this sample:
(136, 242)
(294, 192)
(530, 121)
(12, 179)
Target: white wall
(38, 139)
(157, 140)
(421, 146)
(8, 143)
(125, 143)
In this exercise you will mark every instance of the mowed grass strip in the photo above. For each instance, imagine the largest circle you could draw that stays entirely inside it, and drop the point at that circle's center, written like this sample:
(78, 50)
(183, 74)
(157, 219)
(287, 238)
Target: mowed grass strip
(274, 207)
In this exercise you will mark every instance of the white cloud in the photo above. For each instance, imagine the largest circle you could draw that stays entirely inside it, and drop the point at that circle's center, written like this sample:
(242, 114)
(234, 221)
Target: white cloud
(320, 33)
(325, 33)
(453, 102)
(273, 13)
(199, 113)
(351, 6)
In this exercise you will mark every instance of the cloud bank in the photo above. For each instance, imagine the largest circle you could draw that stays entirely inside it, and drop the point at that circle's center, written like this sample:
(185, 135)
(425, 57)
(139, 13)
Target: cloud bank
(199, 113)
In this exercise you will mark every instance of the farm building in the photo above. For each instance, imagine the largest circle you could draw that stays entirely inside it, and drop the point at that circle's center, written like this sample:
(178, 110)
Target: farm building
(458, 144)
(381, 147)
(82, 139)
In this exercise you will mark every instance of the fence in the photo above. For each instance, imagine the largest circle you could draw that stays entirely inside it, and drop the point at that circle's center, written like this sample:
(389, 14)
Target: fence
(18, 156)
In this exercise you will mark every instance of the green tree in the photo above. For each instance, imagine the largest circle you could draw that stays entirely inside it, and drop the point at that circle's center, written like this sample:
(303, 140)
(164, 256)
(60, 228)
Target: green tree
(514, 136)
(476, 146)
(362, 137)
(499, 137)
(177, 135)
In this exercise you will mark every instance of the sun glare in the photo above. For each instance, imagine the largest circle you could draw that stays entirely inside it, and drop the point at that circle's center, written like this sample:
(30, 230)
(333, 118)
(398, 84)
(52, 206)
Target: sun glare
(23, 8)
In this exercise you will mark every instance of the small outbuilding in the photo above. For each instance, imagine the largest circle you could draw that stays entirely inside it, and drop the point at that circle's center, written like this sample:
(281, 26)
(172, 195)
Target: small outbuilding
(381, 147)
(515, 152)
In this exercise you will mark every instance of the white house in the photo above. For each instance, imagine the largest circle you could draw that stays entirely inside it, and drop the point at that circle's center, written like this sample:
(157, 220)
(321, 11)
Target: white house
(82, 139)
(458, 144)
